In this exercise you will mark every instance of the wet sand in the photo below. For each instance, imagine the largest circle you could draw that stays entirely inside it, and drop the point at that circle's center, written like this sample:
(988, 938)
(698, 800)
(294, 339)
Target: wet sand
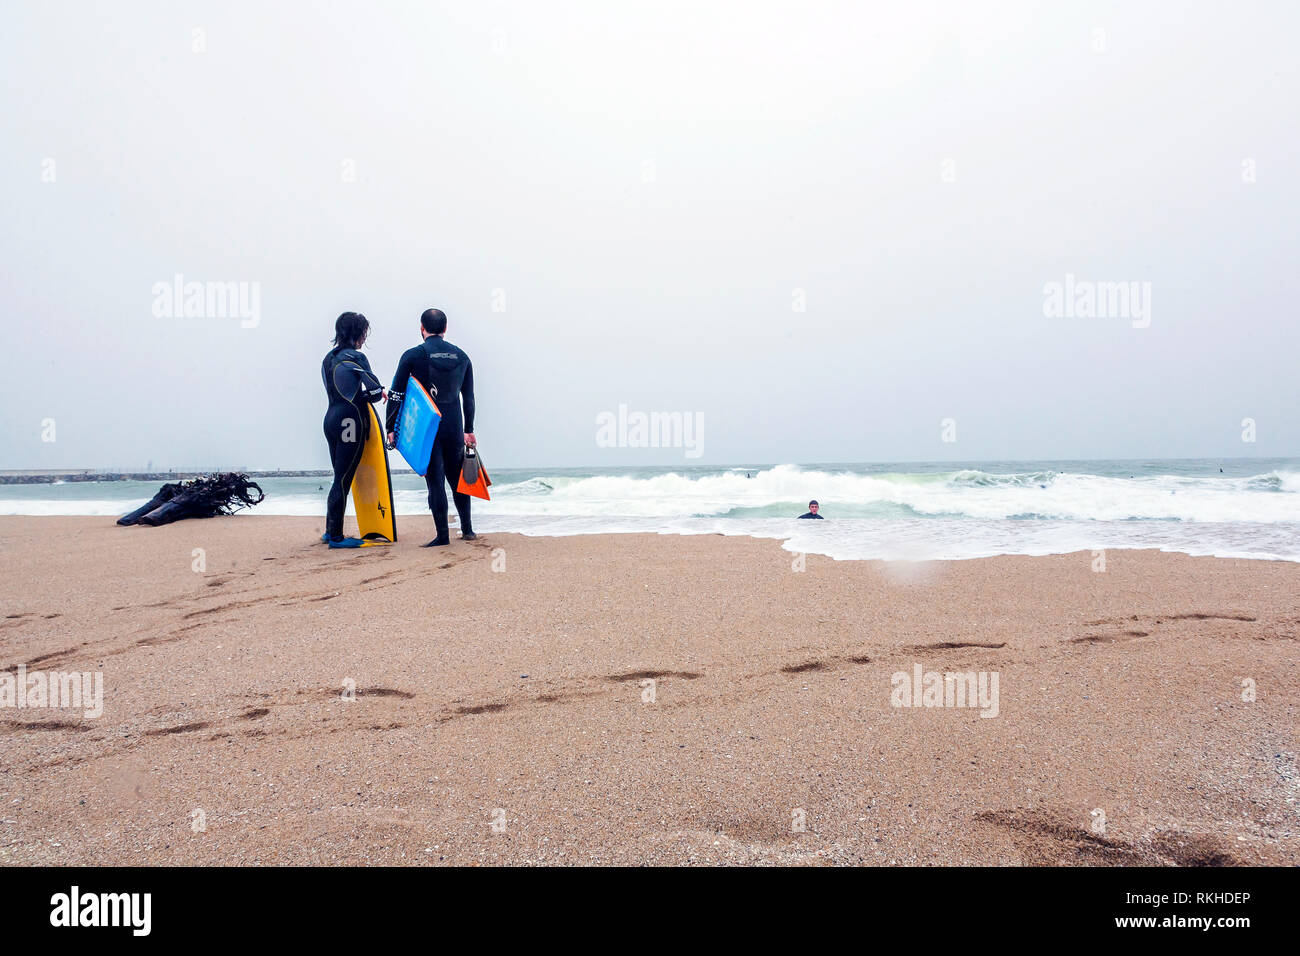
(621, 699)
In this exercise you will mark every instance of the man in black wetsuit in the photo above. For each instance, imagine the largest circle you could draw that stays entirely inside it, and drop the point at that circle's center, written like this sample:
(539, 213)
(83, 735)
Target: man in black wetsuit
(350, 385)
(448, 374)
(813, 508)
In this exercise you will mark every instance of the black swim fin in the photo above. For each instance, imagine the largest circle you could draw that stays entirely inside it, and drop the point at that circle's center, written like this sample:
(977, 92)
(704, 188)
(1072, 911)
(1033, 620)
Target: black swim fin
(469, 468)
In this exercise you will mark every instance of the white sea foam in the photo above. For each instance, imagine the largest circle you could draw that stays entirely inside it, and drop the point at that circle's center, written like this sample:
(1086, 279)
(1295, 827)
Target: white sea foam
(964, 494)
(903, 516)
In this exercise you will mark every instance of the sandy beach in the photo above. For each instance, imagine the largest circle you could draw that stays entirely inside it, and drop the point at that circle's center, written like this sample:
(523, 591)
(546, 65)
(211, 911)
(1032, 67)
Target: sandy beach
(636, 699)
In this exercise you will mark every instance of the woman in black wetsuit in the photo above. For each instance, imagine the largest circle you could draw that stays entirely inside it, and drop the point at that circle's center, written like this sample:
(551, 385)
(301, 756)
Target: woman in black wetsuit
(350, 385)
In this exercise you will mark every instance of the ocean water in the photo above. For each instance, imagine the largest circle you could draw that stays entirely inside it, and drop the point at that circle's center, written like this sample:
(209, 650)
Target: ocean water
(1247, 508)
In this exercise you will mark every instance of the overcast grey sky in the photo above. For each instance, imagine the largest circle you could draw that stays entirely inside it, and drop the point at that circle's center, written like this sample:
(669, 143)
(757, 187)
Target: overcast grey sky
(652, 190)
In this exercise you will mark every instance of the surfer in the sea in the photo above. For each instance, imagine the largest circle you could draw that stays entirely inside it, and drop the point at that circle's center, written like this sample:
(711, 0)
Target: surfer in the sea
(813, 508)
(448, 374)
(350, 385)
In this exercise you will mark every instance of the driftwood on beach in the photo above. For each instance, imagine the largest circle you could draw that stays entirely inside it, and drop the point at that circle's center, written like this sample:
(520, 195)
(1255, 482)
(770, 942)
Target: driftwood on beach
(198, 498)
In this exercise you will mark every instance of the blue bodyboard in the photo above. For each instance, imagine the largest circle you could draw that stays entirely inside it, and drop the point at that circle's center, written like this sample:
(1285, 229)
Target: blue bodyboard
(417, 426)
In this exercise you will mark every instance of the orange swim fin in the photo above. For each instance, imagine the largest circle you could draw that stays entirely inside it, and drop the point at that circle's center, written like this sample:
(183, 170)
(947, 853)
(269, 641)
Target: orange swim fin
(473, 479)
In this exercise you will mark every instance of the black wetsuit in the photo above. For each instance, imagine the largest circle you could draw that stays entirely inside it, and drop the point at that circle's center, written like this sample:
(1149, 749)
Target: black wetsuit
(448, 374)
(350, 385)
(809, 515)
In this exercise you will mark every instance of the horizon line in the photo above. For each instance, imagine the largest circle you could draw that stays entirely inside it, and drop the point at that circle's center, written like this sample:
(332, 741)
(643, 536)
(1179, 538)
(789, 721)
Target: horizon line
(84, 471)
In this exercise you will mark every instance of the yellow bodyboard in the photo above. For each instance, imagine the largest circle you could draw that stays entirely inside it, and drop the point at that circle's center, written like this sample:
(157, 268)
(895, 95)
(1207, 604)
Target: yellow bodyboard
(372, 489)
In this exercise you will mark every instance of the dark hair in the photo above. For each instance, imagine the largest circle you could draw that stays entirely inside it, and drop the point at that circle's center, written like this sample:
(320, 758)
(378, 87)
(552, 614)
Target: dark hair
(350, 330)
(434, 321)
(813, 502)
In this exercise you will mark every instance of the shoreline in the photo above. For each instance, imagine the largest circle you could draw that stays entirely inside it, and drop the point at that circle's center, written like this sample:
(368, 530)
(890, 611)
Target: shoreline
(781, 536)
(782, 530)
(1119, 691)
